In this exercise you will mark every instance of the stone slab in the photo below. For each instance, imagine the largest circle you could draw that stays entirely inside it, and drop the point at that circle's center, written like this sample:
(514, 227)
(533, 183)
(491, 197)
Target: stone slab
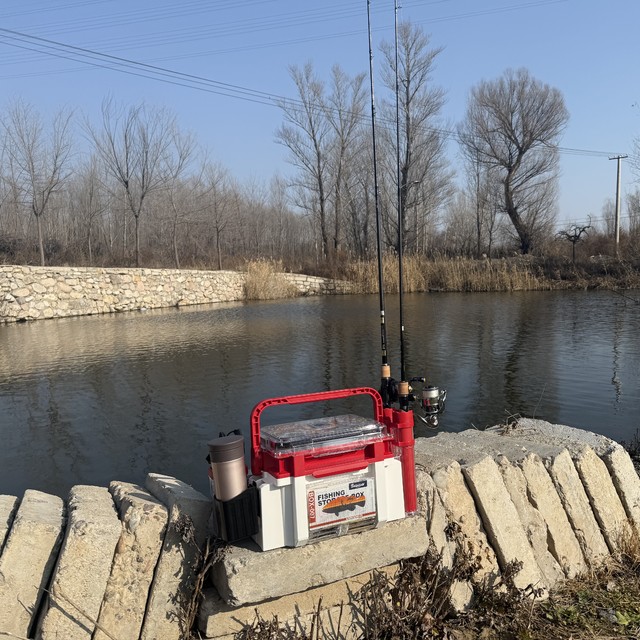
(218, 619)
(534, 524)
(577, 507)
(603, 497)
(548, 442)
(28, 559)
(562, 541)
(464, 518)
(626, 481)
(8, 508)
(144, 522)
(502, 523)
(84, 564)
(558, 435)
(245, 574)
(472, 445)
(604, 502)
(180, 559)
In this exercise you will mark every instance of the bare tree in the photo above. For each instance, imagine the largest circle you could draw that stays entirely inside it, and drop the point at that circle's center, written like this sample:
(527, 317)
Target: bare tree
(609, 216)
(306, 133)
(633, 211)
(483, 187)
(460, 228)
(345, 109)
(219, 210)
(179, 155)
(133, 145)
(88, 201)
(574, 234)
(513, 125)
(38, 159)
(425, 179)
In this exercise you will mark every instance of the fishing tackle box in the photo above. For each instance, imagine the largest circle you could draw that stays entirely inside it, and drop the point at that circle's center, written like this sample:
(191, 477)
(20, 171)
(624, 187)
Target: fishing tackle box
(323, 477)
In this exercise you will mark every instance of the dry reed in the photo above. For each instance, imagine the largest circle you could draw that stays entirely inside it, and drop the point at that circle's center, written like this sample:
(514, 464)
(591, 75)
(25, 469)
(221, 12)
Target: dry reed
(264, 280)
(447, 274)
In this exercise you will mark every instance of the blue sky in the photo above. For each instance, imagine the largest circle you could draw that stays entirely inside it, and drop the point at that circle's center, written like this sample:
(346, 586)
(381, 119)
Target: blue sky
(586, 48)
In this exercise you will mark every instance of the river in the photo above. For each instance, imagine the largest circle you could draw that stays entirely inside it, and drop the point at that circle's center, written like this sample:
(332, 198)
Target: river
(93, 399)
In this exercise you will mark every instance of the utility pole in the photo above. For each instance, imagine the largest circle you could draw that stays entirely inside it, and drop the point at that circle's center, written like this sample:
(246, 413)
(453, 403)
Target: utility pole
(617, 225)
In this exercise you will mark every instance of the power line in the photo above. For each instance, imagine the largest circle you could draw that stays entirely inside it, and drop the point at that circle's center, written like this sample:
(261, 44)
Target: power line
(336, 12)
(162, 74)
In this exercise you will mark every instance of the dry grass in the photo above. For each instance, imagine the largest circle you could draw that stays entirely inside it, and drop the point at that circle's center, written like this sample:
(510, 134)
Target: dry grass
(264, 281)
(444, 274)
(413, 603)
(521, 273)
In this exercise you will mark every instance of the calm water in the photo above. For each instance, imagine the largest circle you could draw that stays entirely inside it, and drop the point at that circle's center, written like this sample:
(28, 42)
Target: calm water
(89, 400)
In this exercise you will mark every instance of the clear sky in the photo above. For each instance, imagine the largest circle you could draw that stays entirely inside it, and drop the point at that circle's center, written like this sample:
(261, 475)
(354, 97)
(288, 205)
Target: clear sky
(589, 49)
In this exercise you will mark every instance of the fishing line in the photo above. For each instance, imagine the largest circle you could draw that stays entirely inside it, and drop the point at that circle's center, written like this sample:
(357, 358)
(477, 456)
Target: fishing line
(403, 375)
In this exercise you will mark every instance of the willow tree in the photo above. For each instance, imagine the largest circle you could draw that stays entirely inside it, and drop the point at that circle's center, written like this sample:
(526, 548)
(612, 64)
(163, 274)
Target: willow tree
(513, 125)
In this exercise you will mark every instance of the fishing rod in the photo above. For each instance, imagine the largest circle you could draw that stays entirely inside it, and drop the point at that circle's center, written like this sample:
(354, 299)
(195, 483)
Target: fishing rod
(404, 387)
(387, 388)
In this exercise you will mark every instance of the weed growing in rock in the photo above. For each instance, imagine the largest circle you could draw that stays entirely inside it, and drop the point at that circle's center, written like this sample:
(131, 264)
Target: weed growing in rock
(413, 603)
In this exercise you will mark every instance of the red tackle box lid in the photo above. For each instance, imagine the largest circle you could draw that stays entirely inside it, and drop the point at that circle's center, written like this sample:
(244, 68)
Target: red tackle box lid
(342, 433)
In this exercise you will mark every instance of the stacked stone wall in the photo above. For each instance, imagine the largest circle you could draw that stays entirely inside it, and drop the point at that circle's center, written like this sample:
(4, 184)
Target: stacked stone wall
(123, 563)
(34, 293)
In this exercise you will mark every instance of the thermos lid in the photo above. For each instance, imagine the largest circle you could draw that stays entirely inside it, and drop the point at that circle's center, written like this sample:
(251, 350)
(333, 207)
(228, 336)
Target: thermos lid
(226, 448)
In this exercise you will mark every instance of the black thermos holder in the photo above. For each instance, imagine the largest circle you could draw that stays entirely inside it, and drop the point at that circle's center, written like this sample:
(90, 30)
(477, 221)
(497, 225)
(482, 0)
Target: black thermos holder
(237, 518)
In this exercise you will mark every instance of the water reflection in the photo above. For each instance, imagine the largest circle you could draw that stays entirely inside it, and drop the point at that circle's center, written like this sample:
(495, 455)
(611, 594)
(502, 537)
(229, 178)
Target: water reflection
(88, 400)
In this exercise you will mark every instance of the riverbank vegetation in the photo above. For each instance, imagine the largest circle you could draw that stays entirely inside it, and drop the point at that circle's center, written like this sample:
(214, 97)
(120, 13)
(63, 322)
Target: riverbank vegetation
(523, 273)
(264, 280)
(604, 604)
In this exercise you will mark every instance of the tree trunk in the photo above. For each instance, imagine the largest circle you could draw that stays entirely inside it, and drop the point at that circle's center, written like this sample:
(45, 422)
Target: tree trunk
(514, 216)
(40, 240)
(137, 219)
(218, 250)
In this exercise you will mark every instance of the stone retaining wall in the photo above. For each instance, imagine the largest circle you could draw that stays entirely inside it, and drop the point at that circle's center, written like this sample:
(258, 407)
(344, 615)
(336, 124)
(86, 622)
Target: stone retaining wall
(34, 293)
(122, 563)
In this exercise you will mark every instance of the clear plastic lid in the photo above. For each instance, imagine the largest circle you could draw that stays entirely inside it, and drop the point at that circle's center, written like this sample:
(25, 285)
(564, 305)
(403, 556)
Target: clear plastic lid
(338, 433)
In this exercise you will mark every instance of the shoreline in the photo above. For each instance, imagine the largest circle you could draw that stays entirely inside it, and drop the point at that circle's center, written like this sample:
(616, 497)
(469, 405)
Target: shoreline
(33, 293)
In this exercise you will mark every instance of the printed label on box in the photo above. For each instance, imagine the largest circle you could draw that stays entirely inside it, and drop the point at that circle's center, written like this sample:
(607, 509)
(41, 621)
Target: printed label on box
(340, 500)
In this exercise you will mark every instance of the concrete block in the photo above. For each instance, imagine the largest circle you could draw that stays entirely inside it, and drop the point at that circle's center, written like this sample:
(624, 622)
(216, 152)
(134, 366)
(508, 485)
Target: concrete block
(577, 507)
(245, 574)
(562, 542)
(27, 560)
(84, 564)
(534, 524)
(462, 515)
(180, 559)
(144, 522)
(217, 619)
(501, 522)
(430, 503)
(8, 508)
(626, 481)
(603, 497)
